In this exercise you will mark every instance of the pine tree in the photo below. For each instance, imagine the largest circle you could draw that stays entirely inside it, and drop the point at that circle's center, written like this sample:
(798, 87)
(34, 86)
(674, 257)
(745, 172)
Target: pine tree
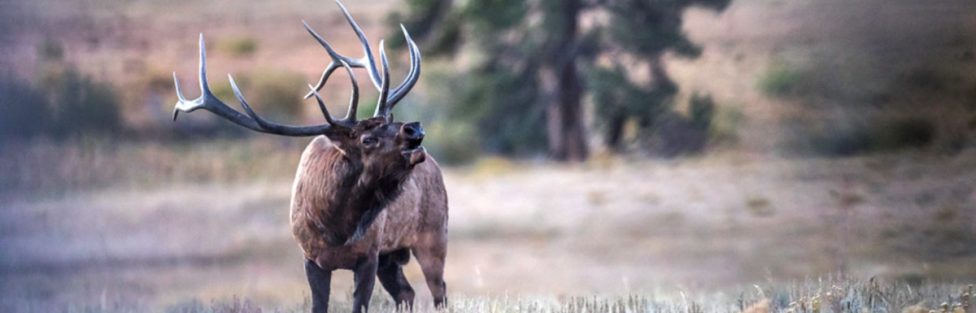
(644, 30)
(525, 89)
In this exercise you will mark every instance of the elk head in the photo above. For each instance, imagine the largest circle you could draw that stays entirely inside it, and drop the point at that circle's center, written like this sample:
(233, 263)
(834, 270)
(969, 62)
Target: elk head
(379, 146)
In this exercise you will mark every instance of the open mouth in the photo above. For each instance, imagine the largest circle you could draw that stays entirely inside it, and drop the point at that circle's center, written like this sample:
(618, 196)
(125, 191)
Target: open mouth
(411, 149)
(413, 144)
(414, 153)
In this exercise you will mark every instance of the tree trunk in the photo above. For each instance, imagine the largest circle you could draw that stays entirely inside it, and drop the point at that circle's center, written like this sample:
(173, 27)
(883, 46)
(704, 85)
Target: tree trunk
(615, 132)
(662, 88)
(660, 80)
(566, 132)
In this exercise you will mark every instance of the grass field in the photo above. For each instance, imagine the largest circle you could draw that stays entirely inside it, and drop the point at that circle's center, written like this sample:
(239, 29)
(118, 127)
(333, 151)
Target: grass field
(192, 225)
(820, 296)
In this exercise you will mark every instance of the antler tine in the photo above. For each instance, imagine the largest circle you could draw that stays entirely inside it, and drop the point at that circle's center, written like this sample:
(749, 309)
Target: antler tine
(382, 104)
(333, 64)
(367, 60)
(325, 110)
(179, 96)
(247, 108)
(252, 121)
(354, 99)
(413, 75)
(204, 87)
(207, 101)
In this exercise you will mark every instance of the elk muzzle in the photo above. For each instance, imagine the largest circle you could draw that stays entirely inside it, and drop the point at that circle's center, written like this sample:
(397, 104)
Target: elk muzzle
(413, 135)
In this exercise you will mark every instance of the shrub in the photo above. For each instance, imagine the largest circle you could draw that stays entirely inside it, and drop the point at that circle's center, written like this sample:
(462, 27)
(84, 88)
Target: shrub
(759, 206)
(79, 105)
(61, 103)
(905, 132)
(620, 102)
(725, 125)
(782, 81)
(673, 134)
(273, 94)
(239, 47)
(468, 114)
(50, 50)
(452, 136)
(508, 122)
(879, 135)
(702, 110)
(24, 111)
(452, 143)
(924, 78)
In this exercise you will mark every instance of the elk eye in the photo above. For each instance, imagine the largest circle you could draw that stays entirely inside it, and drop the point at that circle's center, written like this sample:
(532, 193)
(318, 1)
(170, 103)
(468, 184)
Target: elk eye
(369, 141)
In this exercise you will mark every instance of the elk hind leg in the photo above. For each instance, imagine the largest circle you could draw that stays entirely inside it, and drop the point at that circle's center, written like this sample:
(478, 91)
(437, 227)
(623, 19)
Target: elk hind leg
(431, 259)
(391, 276)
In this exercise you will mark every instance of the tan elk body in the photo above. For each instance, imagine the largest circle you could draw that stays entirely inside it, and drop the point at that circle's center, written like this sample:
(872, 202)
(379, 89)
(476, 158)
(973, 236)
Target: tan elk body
(416, 219)
(366, 194)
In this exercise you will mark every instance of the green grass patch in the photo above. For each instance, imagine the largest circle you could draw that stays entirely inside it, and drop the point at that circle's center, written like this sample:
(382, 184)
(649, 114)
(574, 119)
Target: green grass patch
(781, 80)
(239, 47)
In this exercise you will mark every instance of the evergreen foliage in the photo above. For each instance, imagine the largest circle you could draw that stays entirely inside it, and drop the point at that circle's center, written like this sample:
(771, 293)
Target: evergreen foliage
(524, 59)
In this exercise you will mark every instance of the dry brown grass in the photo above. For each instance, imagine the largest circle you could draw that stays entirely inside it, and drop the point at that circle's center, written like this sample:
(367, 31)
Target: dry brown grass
(805, 297)
(93, 163)
(150, 234)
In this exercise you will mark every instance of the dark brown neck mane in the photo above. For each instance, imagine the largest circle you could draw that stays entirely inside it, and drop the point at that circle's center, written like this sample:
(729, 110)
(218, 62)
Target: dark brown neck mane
(352, 198)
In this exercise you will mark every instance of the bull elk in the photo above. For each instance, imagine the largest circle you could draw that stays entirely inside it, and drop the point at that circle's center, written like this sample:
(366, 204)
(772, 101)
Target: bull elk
(366, 194)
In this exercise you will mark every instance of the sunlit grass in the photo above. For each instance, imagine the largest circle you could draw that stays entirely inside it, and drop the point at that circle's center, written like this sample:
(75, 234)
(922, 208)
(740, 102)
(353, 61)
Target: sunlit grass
(814, 296)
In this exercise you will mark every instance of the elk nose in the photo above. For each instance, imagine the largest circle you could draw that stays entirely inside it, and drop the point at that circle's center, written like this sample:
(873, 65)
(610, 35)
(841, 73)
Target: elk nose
(413, 133)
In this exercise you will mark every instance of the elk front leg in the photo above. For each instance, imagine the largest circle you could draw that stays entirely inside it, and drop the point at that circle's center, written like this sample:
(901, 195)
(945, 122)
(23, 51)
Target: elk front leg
(365, 277)
(390, 273)
(320, 281)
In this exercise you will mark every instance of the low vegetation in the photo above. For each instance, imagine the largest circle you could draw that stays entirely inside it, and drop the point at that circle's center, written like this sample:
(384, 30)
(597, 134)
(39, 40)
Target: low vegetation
(90, 162)
(239, 47)
(881, 134)
(782, 81)
(807, 297)
(63, 103)
(275, 94)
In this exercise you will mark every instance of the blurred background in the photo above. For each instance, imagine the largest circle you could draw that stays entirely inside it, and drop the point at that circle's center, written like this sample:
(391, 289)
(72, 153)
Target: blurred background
(590, 146)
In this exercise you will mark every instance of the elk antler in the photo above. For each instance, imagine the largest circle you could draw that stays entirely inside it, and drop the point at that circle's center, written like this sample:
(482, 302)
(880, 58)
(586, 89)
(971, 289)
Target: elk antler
(209, 102)
(387, 100)
(251, 120)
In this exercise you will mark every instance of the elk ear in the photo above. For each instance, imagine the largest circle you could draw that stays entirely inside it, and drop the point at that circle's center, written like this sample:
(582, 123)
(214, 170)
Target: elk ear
(341, 151)
(335, 144)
